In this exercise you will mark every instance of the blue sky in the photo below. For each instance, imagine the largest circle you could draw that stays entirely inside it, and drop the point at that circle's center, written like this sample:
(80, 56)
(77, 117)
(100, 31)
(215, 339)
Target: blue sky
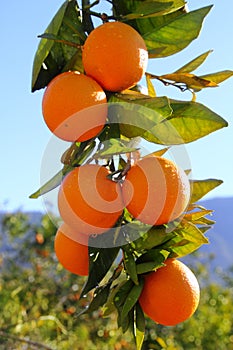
(24, 136)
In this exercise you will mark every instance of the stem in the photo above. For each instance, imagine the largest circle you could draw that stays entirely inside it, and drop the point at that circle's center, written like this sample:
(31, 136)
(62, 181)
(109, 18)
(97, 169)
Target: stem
(24, 340)
(180, 86)
(87, 21)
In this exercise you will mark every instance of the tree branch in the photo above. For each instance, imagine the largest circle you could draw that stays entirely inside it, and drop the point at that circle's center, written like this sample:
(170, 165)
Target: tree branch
(88, 25)
(24, 340)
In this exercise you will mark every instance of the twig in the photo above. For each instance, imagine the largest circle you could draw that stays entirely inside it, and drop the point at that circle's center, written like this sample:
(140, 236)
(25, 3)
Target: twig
(87, 21)
(180, 86)
(24, 340)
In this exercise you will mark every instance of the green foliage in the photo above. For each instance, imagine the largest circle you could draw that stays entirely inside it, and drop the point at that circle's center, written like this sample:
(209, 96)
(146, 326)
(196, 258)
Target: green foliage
(115, 279)
(60, 46)
(39, 306)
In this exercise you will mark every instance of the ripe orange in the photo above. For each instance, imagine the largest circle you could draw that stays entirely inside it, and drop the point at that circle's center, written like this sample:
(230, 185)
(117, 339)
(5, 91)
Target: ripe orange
(71, 254)
(155, 190)
(115, 55)
(88, 201)
(171, 294)
(74, 107)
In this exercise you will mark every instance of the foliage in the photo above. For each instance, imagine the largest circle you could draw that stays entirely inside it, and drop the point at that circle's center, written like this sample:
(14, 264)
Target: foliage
(39, 305)
(166, 27)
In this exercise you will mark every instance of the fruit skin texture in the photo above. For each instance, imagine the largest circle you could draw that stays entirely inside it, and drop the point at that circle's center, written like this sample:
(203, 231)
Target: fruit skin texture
(115, 55)
(74, 107)
(171, 294)
(72, 255)
(88, 201)
(156, 191)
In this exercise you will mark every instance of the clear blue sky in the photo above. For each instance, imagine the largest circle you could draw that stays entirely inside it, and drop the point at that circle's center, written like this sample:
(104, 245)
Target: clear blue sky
(24, 135)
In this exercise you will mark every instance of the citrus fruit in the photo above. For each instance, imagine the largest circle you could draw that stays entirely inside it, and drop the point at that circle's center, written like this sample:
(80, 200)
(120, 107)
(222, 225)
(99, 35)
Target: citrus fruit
(171, 294)
(88, 201)
(72, 255)
(115, 55)
(156, 191)
(74, 107)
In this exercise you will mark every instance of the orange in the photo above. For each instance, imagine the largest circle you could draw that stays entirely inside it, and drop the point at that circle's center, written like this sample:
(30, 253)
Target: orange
(88, 201)
(115, 55)
(72, 255)
(156, 191)
(171, 294)
(74, 107)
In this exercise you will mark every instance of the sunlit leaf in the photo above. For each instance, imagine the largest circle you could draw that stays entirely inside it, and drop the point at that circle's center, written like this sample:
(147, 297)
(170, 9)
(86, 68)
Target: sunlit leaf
(188, 122)
(201, 187)
(197, 215)
(190, 80)
(150, 87)
(152, 8)
(218, 77)
(194, 64)
(150, 237)
(137, 116)
(190, 232)
(176, 33)
(158, 153)
(182, 247)
(133, 8)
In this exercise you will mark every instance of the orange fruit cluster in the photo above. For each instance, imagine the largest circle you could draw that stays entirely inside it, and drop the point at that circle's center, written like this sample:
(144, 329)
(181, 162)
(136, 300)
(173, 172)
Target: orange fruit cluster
(74, 105)
(154, 190)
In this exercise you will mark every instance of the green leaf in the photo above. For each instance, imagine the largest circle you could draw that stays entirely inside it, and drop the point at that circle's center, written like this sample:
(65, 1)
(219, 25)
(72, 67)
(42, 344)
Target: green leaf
(151, 8)
(150, 87)
(149, 238)
(139, 326)
(130, 264)
(119, 300)
(190, 232)
(182, 247)
(194, 64)
(144, 7)
(113, 147)
(137, 116)
(176, 33)
(201, 187)
(218, 77)
(131, 299)
(188, 239)
(151, 260)
(195, 216)
(163, 121)
(75, 155)
(100, 297)
(100, 261)
(49, 185)
(188, 122)
(51, 56)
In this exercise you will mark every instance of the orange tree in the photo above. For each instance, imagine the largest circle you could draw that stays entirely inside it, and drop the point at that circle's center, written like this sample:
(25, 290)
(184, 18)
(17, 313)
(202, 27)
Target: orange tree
(122, 258)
